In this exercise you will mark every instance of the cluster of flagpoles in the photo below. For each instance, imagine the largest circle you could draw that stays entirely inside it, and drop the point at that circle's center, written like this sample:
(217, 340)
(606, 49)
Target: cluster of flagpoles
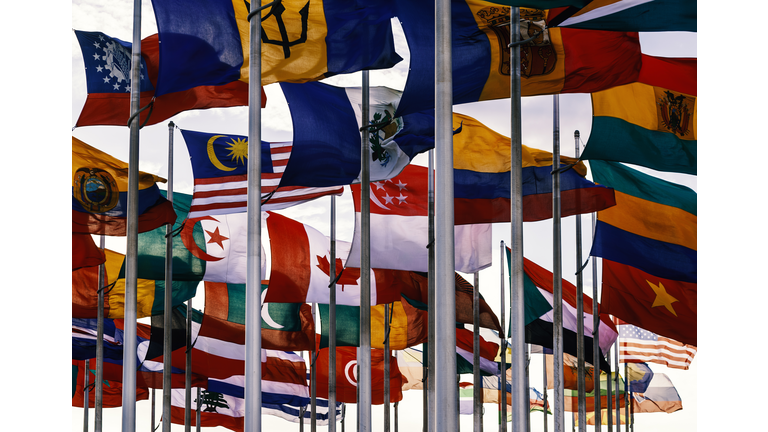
(440, 391)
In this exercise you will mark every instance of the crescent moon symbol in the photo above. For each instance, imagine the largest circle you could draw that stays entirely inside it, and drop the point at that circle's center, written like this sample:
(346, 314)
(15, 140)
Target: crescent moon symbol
(354, 372)
(265, 312)
(189, 241)
(212, 156)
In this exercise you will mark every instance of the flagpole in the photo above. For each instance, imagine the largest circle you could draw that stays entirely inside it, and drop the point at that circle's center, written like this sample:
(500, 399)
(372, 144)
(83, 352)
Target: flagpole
(477, 402)
(503, 372)
(446, 393)
(595, 335)
(253, 263)
(168, 301)
(618, 395)
(188, 373)
(609, 393)
(152, 419)
(544, 358)
(332, 326)
(520, 399)
(386, 369)
(627, 399)
(396, 419)
(99, 383)
(132, 235)
(313, 380)
(364, 360)
(197, 413)
(527, 384)
(557, 341)
(428, 355)
(580, 359)
(86, 395)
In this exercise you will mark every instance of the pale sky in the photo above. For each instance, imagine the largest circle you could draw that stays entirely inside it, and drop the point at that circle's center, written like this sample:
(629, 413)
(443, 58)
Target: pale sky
(723, 238)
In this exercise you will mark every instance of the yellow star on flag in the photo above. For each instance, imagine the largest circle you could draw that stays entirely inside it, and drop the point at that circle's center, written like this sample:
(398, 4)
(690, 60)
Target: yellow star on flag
(662, 297)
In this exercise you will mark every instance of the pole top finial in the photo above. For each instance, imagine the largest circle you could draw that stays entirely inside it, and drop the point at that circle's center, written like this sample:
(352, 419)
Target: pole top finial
(576, 134)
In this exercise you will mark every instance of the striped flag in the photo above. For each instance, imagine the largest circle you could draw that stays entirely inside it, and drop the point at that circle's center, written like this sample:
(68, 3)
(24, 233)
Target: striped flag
(638, 345)
(220, 168)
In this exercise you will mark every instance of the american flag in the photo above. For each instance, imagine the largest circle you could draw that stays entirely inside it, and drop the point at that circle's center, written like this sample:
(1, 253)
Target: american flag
(225, 195)
(637, 345)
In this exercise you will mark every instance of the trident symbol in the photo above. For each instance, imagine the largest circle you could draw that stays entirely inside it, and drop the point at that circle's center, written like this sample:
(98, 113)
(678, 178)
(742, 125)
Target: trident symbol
(277, 10)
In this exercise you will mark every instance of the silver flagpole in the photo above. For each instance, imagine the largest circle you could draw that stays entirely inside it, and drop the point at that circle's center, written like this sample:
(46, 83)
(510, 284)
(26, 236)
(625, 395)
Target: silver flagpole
(188, 373)
(396, 419)
(132, 234)
(152, 419)
(386, 368)
(428, 356)
(446, 392)
(197, 412)
(609, 393)
(520, 399)
(618, 395)
(595, 335)
(332, 326)
(527, 384)
(544, 357)
(313, 380)
(580, 353)
(99, 382)
(557, 341)
(477, 394)
(86, 395)
(503, 374)
(253, 260)
(364, 360)
(167, 312)
(627, 399)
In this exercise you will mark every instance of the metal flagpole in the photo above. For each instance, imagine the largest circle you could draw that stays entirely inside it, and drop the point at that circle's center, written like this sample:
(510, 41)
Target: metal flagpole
(132, 235)
(253, 257)
(557, 351)
(152, 419)
(520, 397)
(503, 374)
(527, 384)
(364, 359)
(544, 358)
(386, 368)
(580, 359)
(99, 382)
(302, 410)
(477, 395)
(188, 373)
(616, 388)
(86, 396)
(609, 393)
(197, 412)
(332, 326)
(396, 419)
(595, 335)
(627, 399)
(446, 393)
(313, 380)
(428, 355)
(168, 301)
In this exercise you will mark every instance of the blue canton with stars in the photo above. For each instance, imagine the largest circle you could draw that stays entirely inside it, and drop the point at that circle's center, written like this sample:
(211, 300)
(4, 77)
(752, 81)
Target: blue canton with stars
(108, 64)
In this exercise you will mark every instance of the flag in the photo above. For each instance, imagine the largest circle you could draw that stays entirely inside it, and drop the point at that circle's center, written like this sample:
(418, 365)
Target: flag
(466, 398)
(220, 169)
(637, 345)
(399, 227)
(326, 142)
(207, 42)
(651, 122)
(284, 326)
(112, 391)
(84, 339)
(537, 401)
(210, 248)
(541, 4)
(293, 414)
(570, 373)
(216, 409)
(648, 245)
(465, 354)
(150, 294)
(346, 375)
(411, 364)
(108, 64)
(481, 162)
(85, 253)
(630, 15)
(661, 396)
(572, 396)
(300, 269)
(100, 194)
(559, 60)
(639, 376)
(538, 285)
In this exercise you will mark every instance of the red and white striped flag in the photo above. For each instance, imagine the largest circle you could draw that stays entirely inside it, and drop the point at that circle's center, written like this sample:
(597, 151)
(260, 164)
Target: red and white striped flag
(637, 345)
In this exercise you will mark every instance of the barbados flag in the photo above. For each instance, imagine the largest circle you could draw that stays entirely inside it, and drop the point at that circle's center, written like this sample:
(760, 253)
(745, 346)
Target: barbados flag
(557, 60)
(100, 194)
(301, 40)
(652, 122)
(648, 245)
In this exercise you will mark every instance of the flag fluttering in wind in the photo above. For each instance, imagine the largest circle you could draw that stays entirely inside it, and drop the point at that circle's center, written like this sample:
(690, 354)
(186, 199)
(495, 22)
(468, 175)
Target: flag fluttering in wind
(648, 245)
(627, 15)
(112, 391)
(100, 194)
(570, 373)
(572, 396)
(637, 345)
(651, 122)
(85, 253)
(300, 41)
(108, 80)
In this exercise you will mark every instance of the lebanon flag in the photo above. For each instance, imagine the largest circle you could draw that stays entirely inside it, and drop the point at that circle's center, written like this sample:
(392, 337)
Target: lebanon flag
(399, 227)
(300, 269)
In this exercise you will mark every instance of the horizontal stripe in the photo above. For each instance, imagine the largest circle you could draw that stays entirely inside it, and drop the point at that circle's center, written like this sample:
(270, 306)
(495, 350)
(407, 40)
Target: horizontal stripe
(644, 111)
(243, 178)
(217, 209)
(658, 258)
(675, 73)
(662, 346)
(652, 220)
(487, 366)
(213, 195)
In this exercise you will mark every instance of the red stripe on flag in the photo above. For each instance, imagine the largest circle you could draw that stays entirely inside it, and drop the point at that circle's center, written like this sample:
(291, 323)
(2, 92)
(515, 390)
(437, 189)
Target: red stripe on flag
(221, 192)
(221, 180)
(291, 261)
